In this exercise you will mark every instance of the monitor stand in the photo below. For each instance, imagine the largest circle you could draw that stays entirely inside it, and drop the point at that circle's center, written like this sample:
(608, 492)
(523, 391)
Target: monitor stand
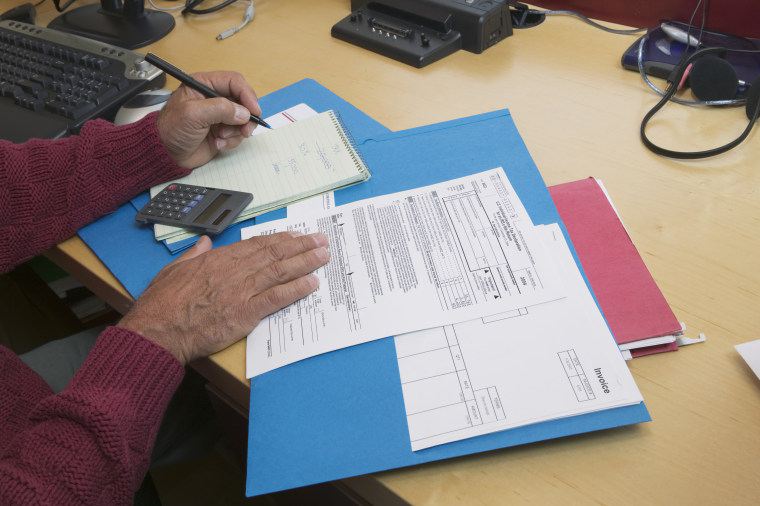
(130, 26)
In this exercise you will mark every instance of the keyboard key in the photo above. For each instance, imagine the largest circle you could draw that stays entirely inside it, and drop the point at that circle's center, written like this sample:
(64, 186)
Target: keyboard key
(29, 86)
(62, 65)
(105, 95)
(79, 110)
(31, 103)
(56, 106)
(11, 90)
(42, 79)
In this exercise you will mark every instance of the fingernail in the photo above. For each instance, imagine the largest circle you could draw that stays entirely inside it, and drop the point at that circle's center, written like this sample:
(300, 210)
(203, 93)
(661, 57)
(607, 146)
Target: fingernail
(202, 240)
(226, 131)
(320, 239)
(322, 254)
(241, 113)
(220, 143)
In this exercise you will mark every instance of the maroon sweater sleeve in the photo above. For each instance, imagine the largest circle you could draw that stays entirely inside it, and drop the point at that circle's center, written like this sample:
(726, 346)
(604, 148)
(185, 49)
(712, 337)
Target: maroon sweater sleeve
(51, 189)
(90, 444)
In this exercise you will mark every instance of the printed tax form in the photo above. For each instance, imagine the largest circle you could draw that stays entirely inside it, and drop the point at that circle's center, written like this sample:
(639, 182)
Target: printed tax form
(417, 259)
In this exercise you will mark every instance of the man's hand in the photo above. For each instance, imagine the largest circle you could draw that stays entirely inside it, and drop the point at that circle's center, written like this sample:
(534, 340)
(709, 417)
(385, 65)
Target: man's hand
(208, 299)
(194, 128)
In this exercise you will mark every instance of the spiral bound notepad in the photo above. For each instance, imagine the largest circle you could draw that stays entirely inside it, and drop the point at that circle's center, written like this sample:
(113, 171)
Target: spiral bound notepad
(282, 166)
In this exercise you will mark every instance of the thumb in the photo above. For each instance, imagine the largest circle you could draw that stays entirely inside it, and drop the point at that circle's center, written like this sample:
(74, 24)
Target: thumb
(201, 246)
(214, 111)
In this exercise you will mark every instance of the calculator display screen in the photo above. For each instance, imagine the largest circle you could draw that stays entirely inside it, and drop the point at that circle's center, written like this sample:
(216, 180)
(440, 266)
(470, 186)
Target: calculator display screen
(211, 209)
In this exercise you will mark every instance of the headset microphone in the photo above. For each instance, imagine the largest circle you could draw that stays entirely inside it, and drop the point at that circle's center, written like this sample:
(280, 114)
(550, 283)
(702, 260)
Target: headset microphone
(712, 79)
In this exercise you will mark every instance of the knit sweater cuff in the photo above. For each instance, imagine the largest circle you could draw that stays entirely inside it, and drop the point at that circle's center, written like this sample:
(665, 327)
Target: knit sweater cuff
(139, 376)
(132, 154)
(121, 391)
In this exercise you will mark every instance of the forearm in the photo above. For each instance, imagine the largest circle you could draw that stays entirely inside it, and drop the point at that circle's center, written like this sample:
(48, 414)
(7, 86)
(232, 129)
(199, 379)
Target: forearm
(92, 443)
(50, 189)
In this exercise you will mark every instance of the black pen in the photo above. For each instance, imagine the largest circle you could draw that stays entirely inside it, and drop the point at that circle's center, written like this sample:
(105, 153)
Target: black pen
(189, 81)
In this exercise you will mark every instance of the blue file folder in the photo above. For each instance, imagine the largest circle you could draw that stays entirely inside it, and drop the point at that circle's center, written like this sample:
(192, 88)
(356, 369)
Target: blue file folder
(342, 414)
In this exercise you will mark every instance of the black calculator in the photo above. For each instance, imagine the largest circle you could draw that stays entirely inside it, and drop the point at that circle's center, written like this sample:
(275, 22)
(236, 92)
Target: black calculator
(208, 210)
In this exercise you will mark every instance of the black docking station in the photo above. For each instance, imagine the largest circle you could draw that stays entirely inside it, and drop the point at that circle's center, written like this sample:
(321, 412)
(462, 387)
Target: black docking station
(420, 32)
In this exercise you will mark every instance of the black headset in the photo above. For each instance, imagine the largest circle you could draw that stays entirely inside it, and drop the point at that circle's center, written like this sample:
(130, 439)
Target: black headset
(713, 81)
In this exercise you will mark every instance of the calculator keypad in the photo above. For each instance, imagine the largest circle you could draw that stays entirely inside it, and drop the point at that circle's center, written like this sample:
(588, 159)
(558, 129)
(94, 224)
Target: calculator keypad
(175, 201)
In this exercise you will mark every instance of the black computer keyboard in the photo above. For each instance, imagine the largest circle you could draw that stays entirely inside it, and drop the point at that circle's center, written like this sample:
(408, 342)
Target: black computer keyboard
(52, 82)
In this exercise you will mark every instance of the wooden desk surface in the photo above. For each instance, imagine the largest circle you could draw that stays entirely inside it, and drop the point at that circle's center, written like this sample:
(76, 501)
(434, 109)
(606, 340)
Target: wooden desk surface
(695, 224)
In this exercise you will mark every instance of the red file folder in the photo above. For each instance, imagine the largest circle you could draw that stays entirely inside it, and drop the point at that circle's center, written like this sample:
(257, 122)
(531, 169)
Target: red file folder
(628, 296)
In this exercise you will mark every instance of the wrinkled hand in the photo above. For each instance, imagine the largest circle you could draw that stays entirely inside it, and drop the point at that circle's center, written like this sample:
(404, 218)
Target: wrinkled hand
(194, 128)
(208, 299)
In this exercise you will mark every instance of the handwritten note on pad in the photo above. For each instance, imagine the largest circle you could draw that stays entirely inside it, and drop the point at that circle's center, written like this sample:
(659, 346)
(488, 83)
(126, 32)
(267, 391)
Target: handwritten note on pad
(282, 166)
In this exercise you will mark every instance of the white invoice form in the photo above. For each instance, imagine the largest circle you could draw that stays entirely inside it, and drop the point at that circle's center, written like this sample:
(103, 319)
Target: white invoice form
(542, 362)
(416, 259)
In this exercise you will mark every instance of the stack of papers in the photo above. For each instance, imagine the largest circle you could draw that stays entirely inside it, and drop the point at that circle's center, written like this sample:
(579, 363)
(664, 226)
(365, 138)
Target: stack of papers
(478, 297)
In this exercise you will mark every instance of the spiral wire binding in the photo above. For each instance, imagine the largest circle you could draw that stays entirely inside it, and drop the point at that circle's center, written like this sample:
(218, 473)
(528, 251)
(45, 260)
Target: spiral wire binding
(350, 143)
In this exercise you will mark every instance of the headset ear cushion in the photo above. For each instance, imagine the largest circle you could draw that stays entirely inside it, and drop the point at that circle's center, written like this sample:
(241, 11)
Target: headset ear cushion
(713, 78)
(753, 98)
